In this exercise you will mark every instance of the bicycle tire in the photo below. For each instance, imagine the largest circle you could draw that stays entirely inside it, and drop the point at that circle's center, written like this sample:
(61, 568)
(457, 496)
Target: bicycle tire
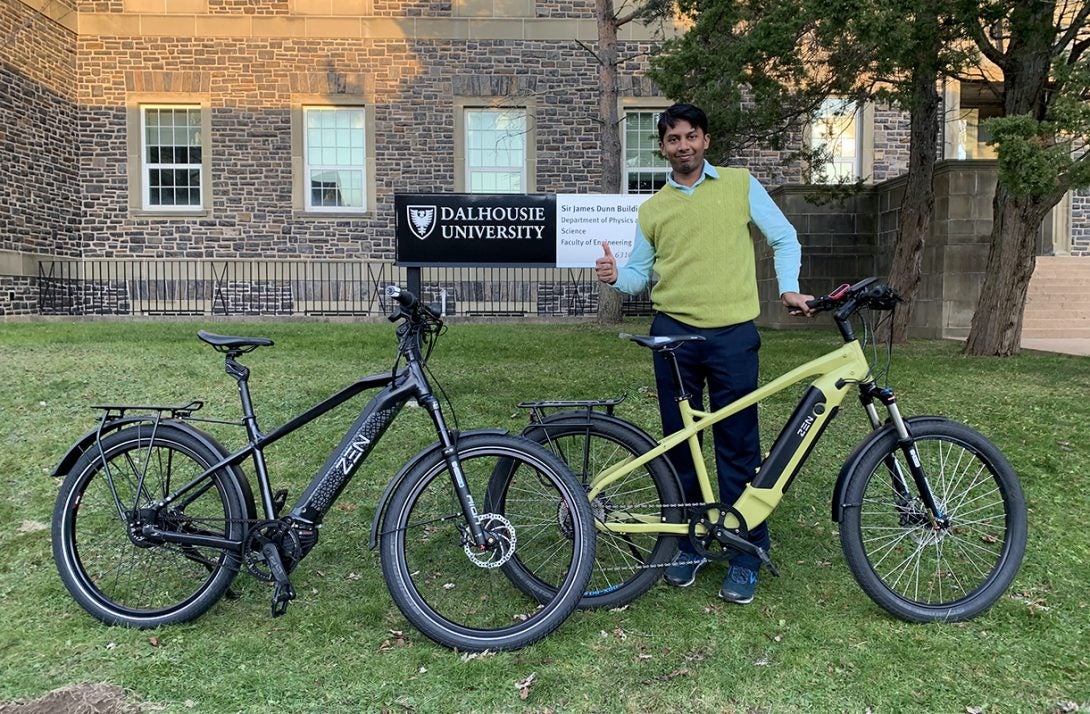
(625, 565)
(128, 580)
(460, 598)
(918, 573)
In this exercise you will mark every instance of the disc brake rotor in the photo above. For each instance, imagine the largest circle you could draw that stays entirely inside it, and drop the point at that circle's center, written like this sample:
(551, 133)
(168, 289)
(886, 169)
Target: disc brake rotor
(502, 534)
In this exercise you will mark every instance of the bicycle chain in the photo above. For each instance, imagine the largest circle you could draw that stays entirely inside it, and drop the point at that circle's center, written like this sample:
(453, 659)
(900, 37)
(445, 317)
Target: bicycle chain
(667, 564)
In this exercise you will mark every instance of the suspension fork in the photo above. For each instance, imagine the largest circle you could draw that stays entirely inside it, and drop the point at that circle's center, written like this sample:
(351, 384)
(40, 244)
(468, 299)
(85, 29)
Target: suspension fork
(869, 393)
(428, 400)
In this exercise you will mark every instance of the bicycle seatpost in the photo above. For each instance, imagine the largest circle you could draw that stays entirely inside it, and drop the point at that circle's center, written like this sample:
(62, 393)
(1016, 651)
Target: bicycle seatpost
(680, 395)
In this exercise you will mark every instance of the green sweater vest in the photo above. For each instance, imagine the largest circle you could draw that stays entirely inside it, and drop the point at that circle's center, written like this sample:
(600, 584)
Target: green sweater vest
(703, 251)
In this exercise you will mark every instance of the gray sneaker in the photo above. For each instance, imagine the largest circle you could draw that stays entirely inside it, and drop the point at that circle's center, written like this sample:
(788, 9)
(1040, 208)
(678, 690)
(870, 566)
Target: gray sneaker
(682, 572)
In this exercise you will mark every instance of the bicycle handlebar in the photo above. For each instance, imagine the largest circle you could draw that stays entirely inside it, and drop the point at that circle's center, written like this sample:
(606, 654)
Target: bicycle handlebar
(410, 306)
(868, 292)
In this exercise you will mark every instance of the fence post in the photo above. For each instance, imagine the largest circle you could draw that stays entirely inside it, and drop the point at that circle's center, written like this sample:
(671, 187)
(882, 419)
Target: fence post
(412, 277)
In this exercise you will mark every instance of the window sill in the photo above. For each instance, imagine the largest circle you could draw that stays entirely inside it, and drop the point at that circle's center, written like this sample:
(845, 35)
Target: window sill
(332, 215)
(144, 213)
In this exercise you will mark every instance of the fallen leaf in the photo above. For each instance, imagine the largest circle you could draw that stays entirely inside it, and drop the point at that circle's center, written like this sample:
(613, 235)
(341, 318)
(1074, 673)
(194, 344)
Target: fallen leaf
(153, 641)
(524, 686)
(32, 527)
(973, 710)
(467, 656)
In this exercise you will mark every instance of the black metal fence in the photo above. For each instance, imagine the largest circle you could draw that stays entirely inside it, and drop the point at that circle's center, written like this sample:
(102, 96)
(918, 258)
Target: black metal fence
(317, 288)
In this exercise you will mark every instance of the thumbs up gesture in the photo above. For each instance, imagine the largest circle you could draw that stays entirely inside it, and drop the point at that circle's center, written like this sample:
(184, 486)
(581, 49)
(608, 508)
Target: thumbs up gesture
(606, 266)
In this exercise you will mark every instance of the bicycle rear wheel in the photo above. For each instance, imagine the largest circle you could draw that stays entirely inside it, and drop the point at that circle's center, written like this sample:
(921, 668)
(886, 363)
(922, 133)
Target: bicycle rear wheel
(458, 596)
(915, 570)
(115, 573)
(626, 565)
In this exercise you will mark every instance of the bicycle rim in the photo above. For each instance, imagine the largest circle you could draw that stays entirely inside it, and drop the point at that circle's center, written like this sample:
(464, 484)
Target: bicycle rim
(625, 564)
(923, 572)
(465, 600)
(127, 579)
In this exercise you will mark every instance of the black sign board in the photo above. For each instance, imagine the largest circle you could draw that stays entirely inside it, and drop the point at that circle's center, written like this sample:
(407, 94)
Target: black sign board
(467, 229)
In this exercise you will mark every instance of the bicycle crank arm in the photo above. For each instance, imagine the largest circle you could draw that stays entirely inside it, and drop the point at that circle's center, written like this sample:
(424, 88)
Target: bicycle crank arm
(283, 593)
(741, 544)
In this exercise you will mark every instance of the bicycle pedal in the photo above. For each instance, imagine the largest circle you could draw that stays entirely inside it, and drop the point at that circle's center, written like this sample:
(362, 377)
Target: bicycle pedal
(278, 500)
(763, 555)
(283, 593)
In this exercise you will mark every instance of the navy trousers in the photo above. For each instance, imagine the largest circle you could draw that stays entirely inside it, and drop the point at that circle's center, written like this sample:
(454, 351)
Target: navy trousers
(725, 364)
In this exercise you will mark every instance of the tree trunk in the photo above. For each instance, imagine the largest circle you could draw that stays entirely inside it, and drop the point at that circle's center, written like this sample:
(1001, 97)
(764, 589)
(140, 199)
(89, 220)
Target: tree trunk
(918, 204)
(609, 300)
(997, 323)
(996, 329)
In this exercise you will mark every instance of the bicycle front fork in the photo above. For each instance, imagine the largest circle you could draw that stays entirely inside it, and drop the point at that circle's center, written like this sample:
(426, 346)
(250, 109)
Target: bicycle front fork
(475, 535)
(907, 444)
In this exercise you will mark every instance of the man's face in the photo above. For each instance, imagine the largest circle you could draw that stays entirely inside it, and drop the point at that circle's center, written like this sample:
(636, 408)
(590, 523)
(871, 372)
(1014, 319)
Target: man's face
(684, 145)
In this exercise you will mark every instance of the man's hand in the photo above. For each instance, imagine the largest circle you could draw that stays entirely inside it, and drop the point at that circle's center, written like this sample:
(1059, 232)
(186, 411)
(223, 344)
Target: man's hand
(606, 266)
(796, 303)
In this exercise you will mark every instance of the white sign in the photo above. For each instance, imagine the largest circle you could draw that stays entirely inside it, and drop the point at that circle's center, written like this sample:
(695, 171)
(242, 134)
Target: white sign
(583, 221)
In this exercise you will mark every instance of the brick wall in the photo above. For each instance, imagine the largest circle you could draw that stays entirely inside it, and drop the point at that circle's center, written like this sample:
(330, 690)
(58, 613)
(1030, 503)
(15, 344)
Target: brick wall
(249, 86)
(1080, 222)
(891, 138)
(37, 132)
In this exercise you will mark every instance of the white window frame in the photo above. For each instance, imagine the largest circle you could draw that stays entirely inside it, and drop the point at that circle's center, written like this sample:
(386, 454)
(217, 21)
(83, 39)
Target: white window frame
(146, 166)
(821, 173)
(525, 136)
(662, 168)
(360, 168)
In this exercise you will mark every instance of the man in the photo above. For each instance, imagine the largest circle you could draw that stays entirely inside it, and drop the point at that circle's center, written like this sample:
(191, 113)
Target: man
(694, 233)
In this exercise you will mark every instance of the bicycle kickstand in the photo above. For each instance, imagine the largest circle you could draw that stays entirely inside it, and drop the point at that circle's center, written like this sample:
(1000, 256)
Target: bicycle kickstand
(283, 592)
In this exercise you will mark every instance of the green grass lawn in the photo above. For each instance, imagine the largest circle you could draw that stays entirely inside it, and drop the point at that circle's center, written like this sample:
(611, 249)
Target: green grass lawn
(811, 641)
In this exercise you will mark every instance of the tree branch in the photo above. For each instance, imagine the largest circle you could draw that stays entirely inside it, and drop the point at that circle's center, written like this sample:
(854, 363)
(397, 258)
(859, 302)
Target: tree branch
(976, 32)
(1077, 25)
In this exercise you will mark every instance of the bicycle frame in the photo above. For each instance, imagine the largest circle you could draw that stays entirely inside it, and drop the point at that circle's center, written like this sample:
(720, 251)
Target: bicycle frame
(346, 459)
(835, 373)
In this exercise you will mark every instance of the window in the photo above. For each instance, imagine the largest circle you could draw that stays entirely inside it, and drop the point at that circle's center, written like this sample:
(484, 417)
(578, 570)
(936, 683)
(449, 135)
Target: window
(496, 150)
(836, 131)
(172, 154)
(645, 170)
(334, 158)
(978, 102)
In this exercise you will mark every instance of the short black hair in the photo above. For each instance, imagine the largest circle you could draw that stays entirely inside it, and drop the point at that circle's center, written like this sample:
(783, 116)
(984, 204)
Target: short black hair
(691, 113)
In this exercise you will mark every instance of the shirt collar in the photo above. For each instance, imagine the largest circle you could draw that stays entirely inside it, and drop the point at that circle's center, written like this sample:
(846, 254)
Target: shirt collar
(708, 172)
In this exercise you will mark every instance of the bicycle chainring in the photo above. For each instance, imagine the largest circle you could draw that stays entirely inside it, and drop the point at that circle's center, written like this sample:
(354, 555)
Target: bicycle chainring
(713, 544)
(502, 534)
(287, 542)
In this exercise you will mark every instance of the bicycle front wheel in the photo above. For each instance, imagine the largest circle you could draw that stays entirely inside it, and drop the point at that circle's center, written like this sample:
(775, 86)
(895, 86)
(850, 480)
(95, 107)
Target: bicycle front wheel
(626, 564)
(457, 595)
(916, 569)
(114, 572)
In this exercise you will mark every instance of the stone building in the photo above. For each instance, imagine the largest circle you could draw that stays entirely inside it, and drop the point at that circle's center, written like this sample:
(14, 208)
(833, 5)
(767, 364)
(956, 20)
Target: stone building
(249, 150)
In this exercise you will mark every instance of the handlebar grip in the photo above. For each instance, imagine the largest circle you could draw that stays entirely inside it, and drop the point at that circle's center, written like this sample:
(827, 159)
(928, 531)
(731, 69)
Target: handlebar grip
(404, 297)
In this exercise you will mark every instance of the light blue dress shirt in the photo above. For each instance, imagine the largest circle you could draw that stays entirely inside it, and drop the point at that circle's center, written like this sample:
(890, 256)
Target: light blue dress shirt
(764, 213)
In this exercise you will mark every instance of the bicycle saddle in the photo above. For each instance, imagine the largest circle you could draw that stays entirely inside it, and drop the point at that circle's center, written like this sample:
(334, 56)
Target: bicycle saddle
(661, 342)
(225, 342)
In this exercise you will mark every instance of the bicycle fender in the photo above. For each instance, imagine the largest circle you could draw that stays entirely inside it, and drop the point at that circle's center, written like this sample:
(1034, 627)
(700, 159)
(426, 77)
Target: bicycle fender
(380, 509)
(580, 417)
(84, 442)
(852, 461)
(88, 440)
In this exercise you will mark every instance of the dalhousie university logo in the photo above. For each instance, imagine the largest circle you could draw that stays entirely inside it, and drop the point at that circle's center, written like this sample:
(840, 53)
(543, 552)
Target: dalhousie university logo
(421, 220)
